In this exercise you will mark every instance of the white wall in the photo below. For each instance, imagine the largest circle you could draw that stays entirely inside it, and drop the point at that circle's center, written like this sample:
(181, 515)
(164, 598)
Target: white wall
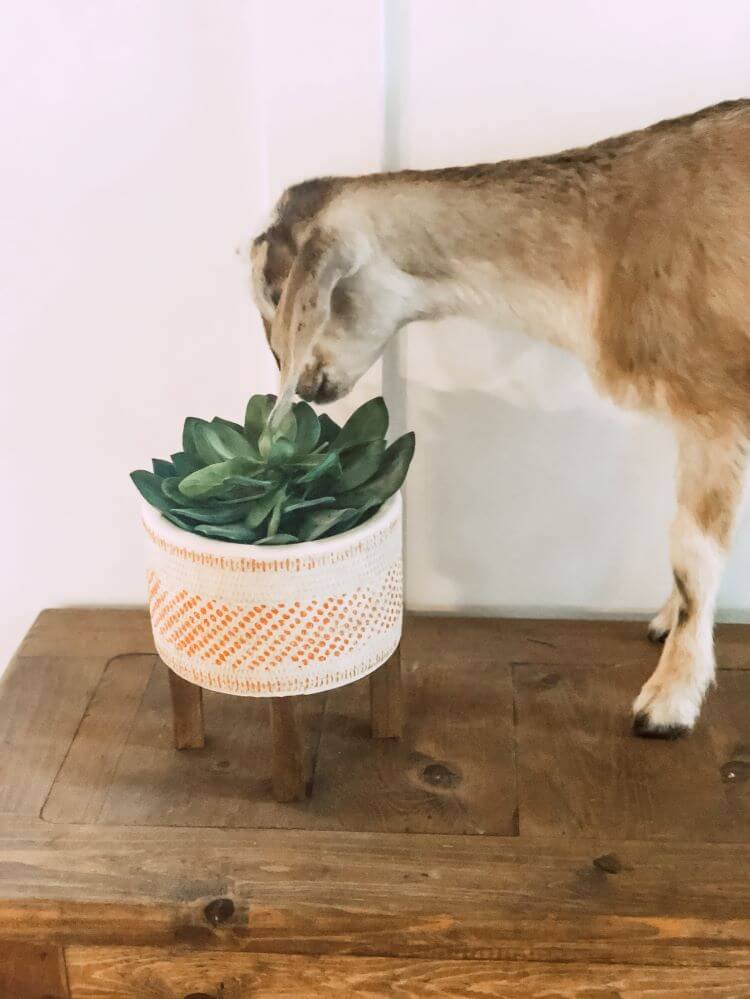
(128, 183)
(143, 141)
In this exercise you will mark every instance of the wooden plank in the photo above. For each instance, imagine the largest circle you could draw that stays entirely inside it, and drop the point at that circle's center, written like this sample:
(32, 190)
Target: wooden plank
(86, 631)
(121, 973)
(28, 971)
(290, 777)
(554, 642)
(43, 700)
(727, 723)
(373, 895)
(453, 771)
(582, 773)
(84, 779)
(187, 712)
(386, 699)
(226, 784)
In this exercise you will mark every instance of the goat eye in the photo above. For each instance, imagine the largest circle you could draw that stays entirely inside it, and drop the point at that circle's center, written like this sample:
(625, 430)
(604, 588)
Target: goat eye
(275, 297)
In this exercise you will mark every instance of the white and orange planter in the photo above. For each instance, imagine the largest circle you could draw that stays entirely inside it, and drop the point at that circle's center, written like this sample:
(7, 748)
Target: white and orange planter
(277, 623)
(274, 621)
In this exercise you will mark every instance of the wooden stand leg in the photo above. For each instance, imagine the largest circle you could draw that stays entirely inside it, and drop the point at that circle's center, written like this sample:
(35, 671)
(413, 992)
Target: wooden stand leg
(289, 776)
(28, 970)
(386, 699)
(187, 713)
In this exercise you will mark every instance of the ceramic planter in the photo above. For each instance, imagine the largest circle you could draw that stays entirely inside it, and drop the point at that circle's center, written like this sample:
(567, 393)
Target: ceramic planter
(273, 621)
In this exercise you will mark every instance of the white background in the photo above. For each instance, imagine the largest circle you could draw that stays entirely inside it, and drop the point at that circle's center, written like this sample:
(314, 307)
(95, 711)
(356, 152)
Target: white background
(143, 142)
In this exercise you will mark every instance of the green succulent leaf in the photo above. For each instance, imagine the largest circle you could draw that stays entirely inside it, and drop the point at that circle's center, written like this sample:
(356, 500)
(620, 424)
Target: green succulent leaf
(276, 443)
(279, 451)
(228, 513)
(305, 461)
(308, 428)
(188, 438)
(248, 486)
(217, 442)
(178, 521)
(278, 539)
(261, 507)
(162, 468)
(199, 446)
(256, 415)
(307, 504)
(229, 441)
(368, 423)
(275, 520)
(360, 463)
(329, 429)
(265, 443)
(228, 532)
(287, 427)
(318, 522)
(170, 488)
(330, 464)
(229, 423)
(208, 481)
(366, 511)
(184, 464)
(388, 479)
(149, 486)
(227, 503)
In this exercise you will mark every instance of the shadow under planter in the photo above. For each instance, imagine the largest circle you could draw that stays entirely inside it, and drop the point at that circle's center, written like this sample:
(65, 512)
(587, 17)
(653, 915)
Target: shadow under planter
(291, 778)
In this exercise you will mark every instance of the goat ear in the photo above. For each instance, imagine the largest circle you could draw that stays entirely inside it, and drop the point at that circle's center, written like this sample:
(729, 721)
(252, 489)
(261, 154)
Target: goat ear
(261, 292)
(324, 259)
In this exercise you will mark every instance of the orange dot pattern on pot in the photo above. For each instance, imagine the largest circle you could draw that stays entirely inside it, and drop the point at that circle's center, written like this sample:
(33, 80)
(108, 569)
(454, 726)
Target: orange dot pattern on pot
(263, 636)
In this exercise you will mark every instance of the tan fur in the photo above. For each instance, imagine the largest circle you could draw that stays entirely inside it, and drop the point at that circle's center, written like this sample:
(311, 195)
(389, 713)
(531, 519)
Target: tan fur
(633, 253)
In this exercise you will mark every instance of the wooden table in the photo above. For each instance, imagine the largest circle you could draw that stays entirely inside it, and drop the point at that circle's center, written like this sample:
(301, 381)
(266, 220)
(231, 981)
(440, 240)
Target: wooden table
(517, 842)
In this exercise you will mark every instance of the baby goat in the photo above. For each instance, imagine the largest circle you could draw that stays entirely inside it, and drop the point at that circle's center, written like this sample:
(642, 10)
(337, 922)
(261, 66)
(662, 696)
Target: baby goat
(633, 253)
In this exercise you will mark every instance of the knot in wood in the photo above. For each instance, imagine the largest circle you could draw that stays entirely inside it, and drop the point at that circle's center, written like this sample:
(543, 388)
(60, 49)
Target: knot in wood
(439, 775)
(610, 863)
(735, 770)
(219, 911)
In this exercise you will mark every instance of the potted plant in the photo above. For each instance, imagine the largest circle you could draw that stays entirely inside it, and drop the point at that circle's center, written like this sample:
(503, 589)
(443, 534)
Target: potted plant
(274, 549)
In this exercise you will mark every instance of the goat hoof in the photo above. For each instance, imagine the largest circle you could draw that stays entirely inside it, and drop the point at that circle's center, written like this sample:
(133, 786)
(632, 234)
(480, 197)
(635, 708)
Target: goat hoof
(644, 728)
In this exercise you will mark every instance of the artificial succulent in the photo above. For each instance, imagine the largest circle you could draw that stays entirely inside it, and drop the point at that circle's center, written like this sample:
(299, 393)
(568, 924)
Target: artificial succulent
(280, 481)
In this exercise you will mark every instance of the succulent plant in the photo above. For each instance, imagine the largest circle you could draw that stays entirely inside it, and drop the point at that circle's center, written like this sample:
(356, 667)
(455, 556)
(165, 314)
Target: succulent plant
(276, 482)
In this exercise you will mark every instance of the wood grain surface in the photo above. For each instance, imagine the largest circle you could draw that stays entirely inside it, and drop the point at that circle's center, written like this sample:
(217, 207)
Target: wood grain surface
(517, 840)
(119, 973)
(369, 894)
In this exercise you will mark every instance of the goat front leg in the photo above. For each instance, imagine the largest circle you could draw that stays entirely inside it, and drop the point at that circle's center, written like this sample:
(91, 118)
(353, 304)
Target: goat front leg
(661, 625)
(709, 488)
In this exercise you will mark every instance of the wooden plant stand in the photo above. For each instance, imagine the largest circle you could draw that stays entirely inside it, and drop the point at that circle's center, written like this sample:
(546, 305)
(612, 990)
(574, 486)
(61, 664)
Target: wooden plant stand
(291, 769)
